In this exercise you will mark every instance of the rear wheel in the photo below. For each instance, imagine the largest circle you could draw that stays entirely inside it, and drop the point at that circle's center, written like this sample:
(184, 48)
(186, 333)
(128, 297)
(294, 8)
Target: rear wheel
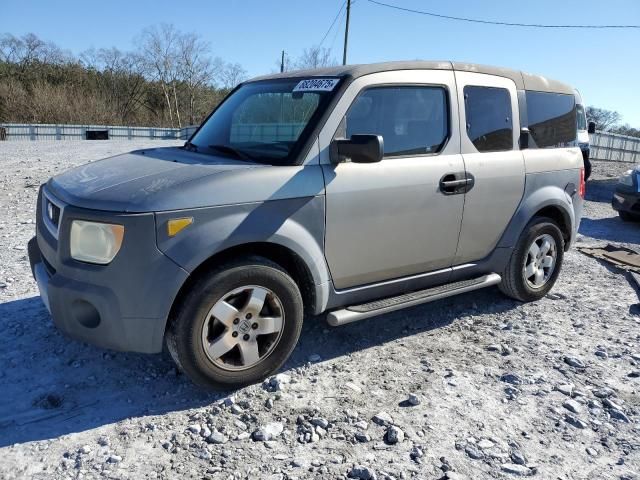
(237, 325)
(535, 262)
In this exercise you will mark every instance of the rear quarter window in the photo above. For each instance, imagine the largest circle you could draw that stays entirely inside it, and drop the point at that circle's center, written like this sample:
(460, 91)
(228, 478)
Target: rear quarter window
(552, 119)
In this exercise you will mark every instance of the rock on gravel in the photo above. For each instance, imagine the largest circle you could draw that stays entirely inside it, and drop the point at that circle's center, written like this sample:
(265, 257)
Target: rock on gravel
(362, 473)
(394, 435)
(382, 418)
(512, 378)
(473, 451)
(219, 438)
(515, 469)
(574, 362)
(572, 406)
(268, 432)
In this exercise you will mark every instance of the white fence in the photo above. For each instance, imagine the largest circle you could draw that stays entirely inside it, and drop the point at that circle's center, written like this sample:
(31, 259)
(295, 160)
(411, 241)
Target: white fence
(614, 147)
(604, 145)
(18, 132)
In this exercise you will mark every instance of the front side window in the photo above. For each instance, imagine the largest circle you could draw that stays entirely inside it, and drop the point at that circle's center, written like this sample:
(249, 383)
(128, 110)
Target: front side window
(411, 120)
(552, 119)
(266, 121)
(488, 114)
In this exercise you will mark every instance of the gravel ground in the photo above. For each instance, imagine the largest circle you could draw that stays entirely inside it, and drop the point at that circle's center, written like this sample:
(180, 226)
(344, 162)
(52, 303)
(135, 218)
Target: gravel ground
(476, 386)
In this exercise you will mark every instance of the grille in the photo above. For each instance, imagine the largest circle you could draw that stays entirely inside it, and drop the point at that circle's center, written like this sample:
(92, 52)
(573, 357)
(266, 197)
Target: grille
(51, 213)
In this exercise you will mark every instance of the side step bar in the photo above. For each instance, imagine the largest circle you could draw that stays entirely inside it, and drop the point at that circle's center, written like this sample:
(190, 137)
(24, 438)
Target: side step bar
(378, 307)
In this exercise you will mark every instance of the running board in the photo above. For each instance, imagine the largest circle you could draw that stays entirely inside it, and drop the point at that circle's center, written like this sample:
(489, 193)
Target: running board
(391, 304)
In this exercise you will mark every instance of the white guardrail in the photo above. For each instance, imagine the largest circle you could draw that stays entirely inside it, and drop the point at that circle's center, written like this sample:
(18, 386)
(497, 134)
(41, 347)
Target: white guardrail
(604, 145)
(17, 132)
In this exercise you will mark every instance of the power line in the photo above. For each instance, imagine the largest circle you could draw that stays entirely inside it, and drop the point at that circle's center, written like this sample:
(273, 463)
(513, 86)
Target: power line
(491, 22)
(332, 23)
(335, 34)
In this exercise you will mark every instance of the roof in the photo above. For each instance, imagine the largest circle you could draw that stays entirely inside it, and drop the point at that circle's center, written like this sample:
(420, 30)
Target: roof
(523, 80)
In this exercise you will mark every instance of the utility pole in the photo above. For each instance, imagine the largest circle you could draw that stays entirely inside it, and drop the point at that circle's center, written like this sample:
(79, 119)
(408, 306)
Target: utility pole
(346, 33)
(282, 62)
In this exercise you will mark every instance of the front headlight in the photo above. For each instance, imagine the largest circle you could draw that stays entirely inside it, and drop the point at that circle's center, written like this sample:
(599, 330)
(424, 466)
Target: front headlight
(94, 242)
(626, 178)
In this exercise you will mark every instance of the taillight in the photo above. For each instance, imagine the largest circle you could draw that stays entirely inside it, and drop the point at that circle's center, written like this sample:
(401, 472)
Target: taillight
(582, 189)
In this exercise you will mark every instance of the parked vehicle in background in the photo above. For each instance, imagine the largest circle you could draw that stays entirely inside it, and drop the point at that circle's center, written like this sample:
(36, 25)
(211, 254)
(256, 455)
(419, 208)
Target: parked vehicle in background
(584, 129)
(626, 198)
(353, 190)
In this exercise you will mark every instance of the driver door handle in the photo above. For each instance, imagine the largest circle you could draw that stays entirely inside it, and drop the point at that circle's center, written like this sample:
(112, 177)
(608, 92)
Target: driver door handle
(456, 183)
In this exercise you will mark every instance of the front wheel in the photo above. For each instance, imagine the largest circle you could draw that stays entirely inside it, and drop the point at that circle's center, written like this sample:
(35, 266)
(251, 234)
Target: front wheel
(238, 324)
(535, 262)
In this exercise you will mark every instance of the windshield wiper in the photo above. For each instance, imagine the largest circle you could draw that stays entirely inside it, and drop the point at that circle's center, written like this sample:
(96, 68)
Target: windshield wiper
(239, 154)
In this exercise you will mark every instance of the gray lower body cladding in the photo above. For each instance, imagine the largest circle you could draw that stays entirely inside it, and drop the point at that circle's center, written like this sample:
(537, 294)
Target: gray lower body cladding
(121, 306)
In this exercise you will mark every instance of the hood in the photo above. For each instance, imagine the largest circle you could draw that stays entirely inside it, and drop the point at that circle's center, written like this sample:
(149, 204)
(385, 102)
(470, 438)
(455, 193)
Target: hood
(171, 178)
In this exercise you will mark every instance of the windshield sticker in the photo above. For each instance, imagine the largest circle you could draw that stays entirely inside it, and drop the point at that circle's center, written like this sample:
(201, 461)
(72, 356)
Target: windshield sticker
(316, 85)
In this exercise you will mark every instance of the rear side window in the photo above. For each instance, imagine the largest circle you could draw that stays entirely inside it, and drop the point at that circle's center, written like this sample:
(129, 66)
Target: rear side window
(411, 120)
(552, 119)
(489, 122)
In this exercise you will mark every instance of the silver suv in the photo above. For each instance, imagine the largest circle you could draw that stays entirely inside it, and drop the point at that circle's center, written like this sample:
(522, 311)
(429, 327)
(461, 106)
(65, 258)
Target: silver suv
(353, 190)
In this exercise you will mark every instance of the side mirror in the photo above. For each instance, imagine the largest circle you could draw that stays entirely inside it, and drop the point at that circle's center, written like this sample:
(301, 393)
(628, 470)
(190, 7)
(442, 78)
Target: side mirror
(525, 134)
(591, 128)
(364, 148)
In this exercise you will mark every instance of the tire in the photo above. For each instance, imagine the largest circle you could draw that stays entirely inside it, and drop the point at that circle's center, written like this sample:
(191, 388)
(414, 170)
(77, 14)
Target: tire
(628, 217)
(221, 308)
(515, 282)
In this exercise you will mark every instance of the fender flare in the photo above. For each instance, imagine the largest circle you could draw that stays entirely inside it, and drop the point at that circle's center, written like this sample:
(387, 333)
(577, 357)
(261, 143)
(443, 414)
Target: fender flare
(544, 197)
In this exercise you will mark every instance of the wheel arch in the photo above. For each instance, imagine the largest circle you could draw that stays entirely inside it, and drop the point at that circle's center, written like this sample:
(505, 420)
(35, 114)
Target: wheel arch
(282, 255)
(560, 216)
(549, 201)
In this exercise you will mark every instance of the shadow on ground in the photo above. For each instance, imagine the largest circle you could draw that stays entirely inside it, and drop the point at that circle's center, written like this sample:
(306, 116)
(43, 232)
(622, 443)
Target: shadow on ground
(53, 386)
(612, 229)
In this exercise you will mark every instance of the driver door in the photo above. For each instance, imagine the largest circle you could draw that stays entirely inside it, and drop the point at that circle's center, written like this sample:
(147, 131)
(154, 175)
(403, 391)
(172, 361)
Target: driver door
(394, 218)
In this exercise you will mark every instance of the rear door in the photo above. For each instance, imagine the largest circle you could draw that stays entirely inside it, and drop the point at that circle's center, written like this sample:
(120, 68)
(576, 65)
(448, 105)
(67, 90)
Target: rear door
(490, 131)
(392, 219)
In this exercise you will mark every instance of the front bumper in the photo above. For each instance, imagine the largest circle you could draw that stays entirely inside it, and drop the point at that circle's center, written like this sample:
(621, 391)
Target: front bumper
(122, 306)
(626, 201)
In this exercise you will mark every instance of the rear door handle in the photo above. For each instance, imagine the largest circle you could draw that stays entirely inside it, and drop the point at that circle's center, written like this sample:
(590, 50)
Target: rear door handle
(456, 183)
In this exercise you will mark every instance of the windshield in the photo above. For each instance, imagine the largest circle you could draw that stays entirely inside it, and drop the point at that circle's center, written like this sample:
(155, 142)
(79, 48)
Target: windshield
(266, 121)
(582, 119)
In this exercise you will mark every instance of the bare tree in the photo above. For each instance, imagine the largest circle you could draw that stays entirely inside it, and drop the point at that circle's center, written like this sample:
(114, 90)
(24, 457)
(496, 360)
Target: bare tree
(11, 48)
(195, 66)
(159, 47)
(122, 79)
(170, 77)
(89, 59)
(604, 119)
(232, 75)
(315, 57)
(627, 129)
